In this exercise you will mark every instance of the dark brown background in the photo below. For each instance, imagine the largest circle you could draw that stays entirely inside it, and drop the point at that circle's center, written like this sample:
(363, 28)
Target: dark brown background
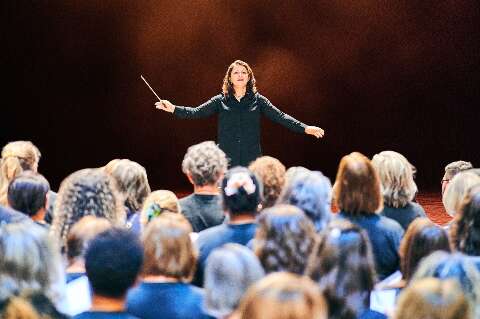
(376, 75)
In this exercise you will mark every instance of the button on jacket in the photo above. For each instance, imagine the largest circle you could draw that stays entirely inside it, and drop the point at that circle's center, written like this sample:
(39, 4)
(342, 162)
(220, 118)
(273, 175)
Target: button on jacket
(239, 128)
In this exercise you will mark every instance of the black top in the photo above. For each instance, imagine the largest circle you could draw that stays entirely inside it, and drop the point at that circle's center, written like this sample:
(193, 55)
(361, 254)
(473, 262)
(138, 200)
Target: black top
(202, 211)
(239, 123)
(103, 315)
(385, 235)
(405, 215)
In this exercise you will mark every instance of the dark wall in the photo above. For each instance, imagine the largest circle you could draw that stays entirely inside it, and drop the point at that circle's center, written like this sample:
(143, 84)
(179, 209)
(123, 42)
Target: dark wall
(375, 75)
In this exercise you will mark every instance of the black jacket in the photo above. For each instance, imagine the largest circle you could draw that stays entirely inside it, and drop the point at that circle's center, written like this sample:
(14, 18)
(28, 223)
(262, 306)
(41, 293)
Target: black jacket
(239, 123)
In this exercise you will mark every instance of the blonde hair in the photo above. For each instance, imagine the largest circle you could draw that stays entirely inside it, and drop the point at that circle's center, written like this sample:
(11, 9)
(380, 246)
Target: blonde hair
(86, 192)
(456, 191)
(132, 182)
(396, 176)
(283, 295)
(431, 298)
(168, 249)
(159, 201)
(16, 157)
(272, 174)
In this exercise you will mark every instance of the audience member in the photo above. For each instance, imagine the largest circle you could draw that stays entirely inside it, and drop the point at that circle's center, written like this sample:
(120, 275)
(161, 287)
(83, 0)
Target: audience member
(230, 271)
(283, 296)
(132, 184)
(311, 192)
(453, 169)
(271, 173)
(85, 192)
(113, 261)
(157, 203)
(27, 193)
(458, 187)
(204, 165)
(169, 265)
(342, 264)
(241, 195)
(357, 193)
(284, 239)
(398, 188)
(431, 298)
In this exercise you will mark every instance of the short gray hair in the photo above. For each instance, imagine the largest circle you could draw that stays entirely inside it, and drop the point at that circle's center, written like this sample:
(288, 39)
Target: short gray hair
(456, 167)
(229, 272)
(205, 162)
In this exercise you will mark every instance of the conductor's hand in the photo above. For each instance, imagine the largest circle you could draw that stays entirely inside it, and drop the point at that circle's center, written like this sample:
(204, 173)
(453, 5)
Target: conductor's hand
(165, 105)
(315, 131)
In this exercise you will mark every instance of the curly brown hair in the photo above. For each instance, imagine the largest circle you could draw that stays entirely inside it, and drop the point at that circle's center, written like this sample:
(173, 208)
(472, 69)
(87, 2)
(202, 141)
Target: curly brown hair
(284, 239)
(272, 174)
(227, 87)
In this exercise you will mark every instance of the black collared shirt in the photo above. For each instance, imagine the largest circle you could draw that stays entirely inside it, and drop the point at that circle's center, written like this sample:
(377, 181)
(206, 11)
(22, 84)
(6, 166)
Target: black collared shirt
(239, 123)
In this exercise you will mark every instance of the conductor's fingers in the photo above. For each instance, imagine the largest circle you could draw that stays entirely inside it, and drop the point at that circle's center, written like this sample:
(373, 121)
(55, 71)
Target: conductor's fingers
(160, 105)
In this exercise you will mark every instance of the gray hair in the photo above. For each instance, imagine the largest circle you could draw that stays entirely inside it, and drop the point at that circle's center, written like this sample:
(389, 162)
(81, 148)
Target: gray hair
(456, 167)
(29, 261)
(229, 272)
(396, 176)
(205, 162)
(456, 191)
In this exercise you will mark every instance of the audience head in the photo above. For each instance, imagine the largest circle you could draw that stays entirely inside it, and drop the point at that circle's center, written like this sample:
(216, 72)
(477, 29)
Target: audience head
(168, 249)
(157, 203)
(421, 239)
(29, 261)
(229, 272)
(131, 180)
(293, 171)
(311, 192)
(17, 157)
(396, 176)
(342, 264)
(82, 233)
(357, 187)
(284, 239)
(86, 192)
(113, 261)
(283, 296)
(204, 163)
(456, 191)
(271, 173)
(432, 298)
(465, 230)
(241, 191)
(453, 169)
(27, 193)
(459, 267)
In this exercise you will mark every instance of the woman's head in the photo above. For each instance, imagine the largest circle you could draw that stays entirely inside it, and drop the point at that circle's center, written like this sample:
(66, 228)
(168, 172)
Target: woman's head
(283, 296)
(465, 230)
(229, 272)
(27, 193)
(342, 263)
(396, 176)
(168, 249)
(311, 192)
(204, 163)
(272, 174)
(421, 239)
(132, 182)
(284, 239)
(457, 189)
(236, 71)
(357, 187)
(241, 191)
(86, 192)
(432, 298)
(157, 203)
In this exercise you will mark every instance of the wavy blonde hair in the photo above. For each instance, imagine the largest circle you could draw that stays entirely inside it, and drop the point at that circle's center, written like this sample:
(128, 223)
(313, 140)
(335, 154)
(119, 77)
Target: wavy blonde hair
(85, 192)
(16, 157)
(166, 200)
(272, 174)
(227, 87)
(396, 176)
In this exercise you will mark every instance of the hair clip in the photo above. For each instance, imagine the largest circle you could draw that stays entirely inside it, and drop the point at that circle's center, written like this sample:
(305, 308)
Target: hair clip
(237, 181)
(154, 210)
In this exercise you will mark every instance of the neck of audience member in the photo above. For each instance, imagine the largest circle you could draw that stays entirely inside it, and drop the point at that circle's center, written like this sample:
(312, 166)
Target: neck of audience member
(206, 189)
(242, 218)
(107, 304)
(77, 265)
(40, 215)
(160, 278)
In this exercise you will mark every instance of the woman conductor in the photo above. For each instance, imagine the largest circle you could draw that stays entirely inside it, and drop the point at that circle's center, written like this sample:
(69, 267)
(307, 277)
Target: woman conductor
(239, 108)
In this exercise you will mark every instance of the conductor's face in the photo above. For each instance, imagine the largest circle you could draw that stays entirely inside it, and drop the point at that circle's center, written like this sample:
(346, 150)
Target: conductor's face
(239, 76)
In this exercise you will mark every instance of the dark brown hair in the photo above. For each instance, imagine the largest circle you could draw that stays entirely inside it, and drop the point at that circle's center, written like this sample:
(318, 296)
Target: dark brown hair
(357, 187)
(227, 87)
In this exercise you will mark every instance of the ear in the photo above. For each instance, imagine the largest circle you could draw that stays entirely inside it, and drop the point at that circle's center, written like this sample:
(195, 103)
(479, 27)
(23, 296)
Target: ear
(190, 179)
